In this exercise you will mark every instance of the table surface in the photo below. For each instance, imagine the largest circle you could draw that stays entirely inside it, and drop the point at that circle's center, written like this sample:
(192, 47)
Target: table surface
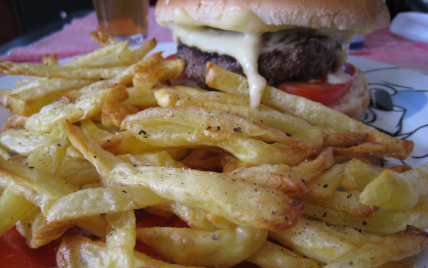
(74, 39)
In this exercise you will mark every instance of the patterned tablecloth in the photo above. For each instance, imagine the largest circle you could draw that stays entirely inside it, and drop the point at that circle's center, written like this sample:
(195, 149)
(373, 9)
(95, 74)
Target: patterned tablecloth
(381, 45)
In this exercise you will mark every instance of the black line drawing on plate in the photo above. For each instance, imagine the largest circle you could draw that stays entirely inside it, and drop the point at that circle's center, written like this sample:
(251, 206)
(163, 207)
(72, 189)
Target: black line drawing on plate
(391, 105)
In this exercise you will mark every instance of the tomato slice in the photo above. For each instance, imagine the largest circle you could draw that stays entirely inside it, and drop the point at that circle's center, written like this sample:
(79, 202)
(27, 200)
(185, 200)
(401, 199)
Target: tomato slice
(321, 90)
(171, 57)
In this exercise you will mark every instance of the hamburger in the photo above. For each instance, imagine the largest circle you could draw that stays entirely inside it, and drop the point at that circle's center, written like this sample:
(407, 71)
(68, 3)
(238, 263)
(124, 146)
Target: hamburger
(300, 47)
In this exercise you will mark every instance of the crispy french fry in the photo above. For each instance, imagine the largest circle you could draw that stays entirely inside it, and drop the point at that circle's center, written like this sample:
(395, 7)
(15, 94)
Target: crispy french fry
(15, 121)
(124, 78)
(12, 208)
(197, 218)
(48, 155)
(222, 248)
(30, 101)
(326, 184)
(397, 191)
(385, 222)
(87, 59)
(103, 38)
(322, 242)
(141, 98)
(21, 141)
(298, 106)
(267, 207)
(4, 153)
(147, 76)
(11, 68)
(83, 108)
(125, 142)
(172, 69)
(344, 201)
(157, 159)
(33, 227)
(391, 248)
(271, 255)
(95, 133)
(114, 113)
(96, 201)
(37, 187)
(74, 252)
(120, 239)
(50, 60)
(77, 172)
(167, 136)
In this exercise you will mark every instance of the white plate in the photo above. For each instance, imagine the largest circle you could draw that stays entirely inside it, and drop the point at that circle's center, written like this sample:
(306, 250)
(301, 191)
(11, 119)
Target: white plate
(408, 91)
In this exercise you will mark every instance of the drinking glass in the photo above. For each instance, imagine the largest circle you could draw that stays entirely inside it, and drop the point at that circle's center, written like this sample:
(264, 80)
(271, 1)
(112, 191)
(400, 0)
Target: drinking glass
(124, 19)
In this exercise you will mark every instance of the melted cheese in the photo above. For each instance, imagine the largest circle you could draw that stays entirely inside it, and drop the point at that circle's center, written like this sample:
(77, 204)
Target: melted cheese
(241, 38)
(245, 49)
(338, 77)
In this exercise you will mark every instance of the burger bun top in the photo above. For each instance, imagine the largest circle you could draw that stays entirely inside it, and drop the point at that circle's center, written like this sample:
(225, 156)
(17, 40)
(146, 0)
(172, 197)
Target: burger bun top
(361, 16)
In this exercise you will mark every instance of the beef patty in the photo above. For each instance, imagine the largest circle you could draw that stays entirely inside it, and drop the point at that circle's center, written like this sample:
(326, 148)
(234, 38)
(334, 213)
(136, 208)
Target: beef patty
(305, 60)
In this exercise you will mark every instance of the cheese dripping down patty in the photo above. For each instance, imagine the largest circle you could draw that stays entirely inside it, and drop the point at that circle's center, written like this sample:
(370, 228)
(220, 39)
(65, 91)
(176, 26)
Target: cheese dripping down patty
(243, 36)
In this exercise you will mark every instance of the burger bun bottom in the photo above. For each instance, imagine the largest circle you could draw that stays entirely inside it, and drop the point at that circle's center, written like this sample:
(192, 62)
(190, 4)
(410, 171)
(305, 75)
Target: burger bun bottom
(356, 101)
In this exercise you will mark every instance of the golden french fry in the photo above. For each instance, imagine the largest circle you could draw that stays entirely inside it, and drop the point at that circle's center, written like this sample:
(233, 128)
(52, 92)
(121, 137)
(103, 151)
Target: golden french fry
(21, 141)
(124, 78)
(4, 153)
(385, 222)
(82, 108)
(157, 159)
(87, 59)
(12, 208)
(142, 98)
(80, 252)
(397, 191)
(120, 240)
(281, 177)
(172, 69)
(114, 113)
(221, 248)
(48, 155)
(147, 76)
(103, 38)
(77, 172)
(197, 218)
(214, 192)
(318, 115)
(358, 174)
(326, 184)
(263, 114)
(271, 255)
(15, 121)
(344, 201)
(50, 60)
(37, 187)
(30, 101)
(11, 68)
(167, 136)
(95, 133)
(37, 233)
(96, 201)
(125, 142)
(322, 242)
(391, 248)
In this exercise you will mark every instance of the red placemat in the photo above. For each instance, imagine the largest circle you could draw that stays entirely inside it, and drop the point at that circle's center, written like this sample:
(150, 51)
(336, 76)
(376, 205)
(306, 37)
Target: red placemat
(384, 46)
(74, 40)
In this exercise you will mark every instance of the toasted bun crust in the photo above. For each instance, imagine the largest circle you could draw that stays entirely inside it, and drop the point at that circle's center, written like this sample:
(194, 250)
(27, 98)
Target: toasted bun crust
(363, 16)
(355, 102)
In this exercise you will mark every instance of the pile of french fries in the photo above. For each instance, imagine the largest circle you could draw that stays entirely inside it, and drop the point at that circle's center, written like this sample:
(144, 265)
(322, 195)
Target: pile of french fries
(290, 183)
